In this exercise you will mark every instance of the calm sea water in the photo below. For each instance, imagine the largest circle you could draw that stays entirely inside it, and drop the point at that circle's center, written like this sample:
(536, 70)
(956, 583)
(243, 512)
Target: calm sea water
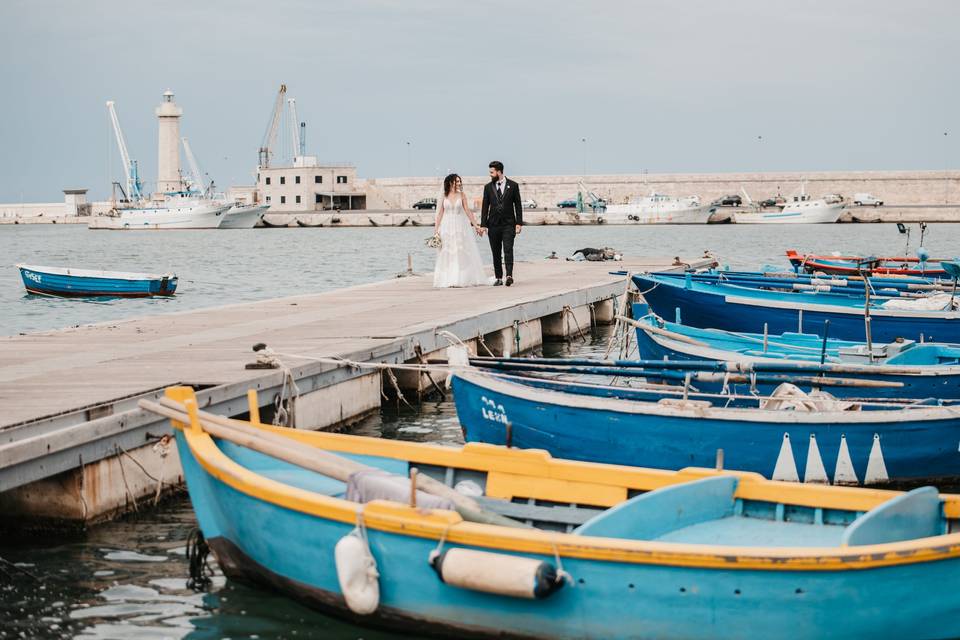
(127, 579)
(224, 267)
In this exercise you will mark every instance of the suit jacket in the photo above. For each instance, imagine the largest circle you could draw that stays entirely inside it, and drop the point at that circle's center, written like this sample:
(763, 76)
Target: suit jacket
(501, 212)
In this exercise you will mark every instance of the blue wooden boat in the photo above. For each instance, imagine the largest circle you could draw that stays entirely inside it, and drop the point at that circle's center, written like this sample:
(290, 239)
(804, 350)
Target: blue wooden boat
(85, 283)
(714, 303)
(609, 552)
(928, 370)
(670, 430)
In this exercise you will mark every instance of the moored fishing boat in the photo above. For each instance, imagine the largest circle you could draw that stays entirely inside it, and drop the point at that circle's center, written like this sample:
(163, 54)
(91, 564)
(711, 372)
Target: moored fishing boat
(927, 370)
(856, 265)
(801, 210)
(170, 213)
(607, 552)
(735, 304)
(658, 208)
(85, 283)
(672, 428)
(243, 216)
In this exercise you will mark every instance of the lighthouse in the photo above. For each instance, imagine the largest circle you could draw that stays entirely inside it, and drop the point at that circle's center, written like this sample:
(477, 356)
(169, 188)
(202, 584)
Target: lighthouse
(168, 146)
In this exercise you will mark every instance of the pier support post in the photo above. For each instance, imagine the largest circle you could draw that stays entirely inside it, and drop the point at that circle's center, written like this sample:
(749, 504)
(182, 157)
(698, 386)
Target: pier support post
(603, 311)
(95, 492)
(339, 404)
(569, 322)
(517, 338)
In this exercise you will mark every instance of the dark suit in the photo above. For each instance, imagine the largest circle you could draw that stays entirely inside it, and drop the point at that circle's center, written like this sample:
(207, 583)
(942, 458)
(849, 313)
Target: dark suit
(500, 214)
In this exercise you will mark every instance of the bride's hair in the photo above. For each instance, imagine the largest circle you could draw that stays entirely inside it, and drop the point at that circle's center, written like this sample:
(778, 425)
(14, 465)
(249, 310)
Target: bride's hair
(449, 182)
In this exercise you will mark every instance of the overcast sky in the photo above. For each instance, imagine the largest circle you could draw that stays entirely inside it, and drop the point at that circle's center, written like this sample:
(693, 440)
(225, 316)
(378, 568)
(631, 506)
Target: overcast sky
(663, 86)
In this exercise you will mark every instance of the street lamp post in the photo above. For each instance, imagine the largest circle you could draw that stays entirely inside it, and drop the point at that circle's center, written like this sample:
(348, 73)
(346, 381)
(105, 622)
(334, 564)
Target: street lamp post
(408, 159)
(584, 142)
(946, 173)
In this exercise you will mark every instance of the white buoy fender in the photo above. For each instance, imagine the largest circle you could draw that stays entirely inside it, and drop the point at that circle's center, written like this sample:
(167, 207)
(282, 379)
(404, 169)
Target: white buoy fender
(357, 573)
(497, 573)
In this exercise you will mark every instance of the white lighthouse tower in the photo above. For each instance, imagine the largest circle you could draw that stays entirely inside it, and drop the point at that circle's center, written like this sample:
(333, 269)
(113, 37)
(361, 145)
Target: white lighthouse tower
(168, 162)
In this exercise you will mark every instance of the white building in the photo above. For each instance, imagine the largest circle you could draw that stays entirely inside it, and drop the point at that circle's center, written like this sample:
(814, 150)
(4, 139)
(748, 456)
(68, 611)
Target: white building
(310, 186)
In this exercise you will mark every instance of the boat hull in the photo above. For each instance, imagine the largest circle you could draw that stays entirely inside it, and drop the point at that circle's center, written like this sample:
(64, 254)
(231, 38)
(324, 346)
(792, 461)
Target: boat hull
(813, 215)
(730, 310)
(66, 285)
(632, 214)
(290, 550)
(243, 217)
(587, 426)
(207, 216)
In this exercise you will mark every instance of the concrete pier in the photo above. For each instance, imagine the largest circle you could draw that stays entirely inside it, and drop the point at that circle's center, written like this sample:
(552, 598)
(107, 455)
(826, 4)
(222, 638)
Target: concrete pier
(74, 447)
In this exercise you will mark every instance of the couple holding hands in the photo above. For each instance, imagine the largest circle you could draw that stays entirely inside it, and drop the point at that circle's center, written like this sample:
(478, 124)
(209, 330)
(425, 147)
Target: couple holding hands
(501, 219)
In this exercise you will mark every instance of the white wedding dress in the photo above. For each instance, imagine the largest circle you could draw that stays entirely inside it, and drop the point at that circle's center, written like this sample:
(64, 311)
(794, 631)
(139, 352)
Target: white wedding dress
(458, 262)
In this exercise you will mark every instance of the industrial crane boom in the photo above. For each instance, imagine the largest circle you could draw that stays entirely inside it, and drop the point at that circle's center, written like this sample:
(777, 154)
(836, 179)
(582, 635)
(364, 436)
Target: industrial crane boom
(270, 137)
(129, 166)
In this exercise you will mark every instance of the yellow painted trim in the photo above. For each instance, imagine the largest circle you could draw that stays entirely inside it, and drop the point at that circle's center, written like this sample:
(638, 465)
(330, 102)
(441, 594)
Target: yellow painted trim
(509, 486)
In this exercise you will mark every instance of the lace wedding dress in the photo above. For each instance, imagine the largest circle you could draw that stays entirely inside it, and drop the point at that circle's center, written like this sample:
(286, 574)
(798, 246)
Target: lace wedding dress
(458, 263)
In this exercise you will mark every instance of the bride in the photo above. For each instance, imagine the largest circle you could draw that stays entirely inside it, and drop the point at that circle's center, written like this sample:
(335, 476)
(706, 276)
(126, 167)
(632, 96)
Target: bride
(458, 263)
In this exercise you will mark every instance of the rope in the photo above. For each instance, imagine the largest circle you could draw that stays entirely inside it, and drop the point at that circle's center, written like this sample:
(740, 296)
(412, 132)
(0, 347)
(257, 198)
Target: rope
(396, 387)
(197, 554)
(283, 406)
(123, 475)
(562, 575)
(567, 310)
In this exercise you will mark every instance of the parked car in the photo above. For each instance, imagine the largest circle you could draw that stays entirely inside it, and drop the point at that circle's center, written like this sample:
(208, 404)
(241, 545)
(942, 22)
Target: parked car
(832, 198)
(570, 203)
(426, 203)
(729, 201)
(773, 202)
(530, 203)
(866, 200)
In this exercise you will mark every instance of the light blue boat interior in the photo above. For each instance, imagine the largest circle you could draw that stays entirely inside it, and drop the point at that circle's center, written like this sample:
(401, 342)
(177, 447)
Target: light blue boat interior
(702, 511)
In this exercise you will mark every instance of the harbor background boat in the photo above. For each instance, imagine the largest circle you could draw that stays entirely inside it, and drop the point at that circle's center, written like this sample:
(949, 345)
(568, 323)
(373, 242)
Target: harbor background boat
(244, 265)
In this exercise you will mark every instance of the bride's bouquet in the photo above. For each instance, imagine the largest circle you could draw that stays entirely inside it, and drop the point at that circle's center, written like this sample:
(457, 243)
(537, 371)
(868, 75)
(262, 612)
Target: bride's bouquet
(434, 241)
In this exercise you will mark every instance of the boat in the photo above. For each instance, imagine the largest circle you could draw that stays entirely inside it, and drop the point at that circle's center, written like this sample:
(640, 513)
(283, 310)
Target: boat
(601, 551)
(171, 213)
(658, 208)
(674, 428)
(734, 303)
(801, 210)
(858, 265)
(919, 371)
(85, 283)
(265, 222)
(301, 223)
(243, 216)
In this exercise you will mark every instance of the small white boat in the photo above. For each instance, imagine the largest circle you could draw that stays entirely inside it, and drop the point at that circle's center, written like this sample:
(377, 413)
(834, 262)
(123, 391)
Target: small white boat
(172, 213)
(243, 216)
(658, 208)
(802, 210)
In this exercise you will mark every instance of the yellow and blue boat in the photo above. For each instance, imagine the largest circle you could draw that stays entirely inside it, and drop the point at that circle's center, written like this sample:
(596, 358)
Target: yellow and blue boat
(595, 551)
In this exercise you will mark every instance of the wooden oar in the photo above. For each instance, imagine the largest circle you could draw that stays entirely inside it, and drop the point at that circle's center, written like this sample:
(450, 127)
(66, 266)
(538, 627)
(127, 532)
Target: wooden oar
(663, 332)
(314, 459)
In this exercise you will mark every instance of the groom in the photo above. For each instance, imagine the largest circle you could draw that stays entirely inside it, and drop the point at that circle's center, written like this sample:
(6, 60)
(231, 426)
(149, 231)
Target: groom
(502, 217)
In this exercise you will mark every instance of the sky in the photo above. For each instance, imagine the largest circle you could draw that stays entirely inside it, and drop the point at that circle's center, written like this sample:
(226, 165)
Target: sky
(426, 87)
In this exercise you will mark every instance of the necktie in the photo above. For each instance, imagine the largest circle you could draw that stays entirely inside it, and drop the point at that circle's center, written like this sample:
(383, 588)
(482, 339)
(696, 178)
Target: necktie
(499, 189)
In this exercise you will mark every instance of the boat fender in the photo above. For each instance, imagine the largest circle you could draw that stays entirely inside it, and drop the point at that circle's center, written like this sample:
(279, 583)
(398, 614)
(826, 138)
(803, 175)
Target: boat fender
(496, 573)
(357, 573)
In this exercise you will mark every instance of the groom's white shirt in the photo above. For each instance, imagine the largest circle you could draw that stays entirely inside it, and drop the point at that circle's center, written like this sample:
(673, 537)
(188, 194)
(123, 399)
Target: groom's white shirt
(502, 184)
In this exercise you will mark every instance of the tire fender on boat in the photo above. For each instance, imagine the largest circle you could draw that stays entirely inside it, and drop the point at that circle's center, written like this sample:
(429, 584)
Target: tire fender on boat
(357, 573)
(496, 573)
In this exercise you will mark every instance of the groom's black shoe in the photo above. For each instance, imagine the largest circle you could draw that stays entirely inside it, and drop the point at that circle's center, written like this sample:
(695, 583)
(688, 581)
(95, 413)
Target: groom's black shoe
(509, 280)
(498, 283)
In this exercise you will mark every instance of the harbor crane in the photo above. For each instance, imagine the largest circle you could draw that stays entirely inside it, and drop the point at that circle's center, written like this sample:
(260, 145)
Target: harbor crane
(270, 137)
(134, 189)
(196, 178)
